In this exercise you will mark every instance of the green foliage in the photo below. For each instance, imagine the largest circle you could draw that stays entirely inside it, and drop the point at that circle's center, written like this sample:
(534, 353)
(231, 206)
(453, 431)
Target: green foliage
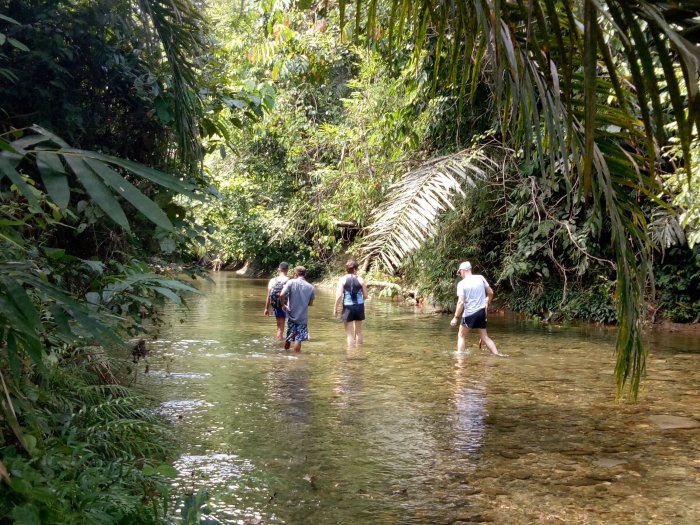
(413, 204)
(87, 444)
(572, 109)
(77, 447)
(678, 284)
(590, 302)
(194, 507)
(469, 232)
(65, 423)
(531, 249)
(685, 191)
(305, 179)
(265, 185)
(98, 87)
(582, 136)
(42, 156)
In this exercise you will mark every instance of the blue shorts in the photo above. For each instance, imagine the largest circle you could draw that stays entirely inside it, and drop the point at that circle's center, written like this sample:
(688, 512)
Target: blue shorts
(475, 320)
(279, 313)
(297, 333)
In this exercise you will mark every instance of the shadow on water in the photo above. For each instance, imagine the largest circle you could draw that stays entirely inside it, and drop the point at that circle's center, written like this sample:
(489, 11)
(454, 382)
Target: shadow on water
(405, 431)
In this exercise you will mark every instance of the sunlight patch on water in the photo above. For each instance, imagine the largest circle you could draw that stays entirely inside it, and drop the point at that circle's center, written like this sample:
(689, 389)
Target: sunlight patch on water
(178, 406)
(179, 375)
(215, 468)
(224, 472)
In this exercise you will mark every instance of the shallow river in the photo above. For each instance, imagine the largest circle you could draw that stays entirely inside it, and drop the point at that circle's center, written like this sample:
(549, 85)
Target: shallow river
(404, 431)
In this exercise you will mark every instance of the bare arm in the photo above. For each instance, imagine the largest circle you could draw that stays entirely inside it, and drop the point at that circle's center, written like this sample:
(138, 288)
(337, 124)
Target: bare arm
(365, 293)
(489, 297)
(460, 308)
(283, 300)
(458, 311)
(338, 296)
(266, 311)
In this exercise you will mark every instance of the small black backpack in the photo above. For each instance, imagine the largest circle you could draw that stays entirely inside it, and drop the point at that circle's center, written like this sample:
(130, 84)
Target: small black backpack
(275, 292)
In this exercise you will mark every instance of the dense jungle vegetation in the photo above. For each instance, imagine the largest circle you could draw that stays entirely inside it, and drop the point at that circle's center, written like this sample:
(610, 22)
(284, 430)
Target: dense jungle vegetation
(551, 143)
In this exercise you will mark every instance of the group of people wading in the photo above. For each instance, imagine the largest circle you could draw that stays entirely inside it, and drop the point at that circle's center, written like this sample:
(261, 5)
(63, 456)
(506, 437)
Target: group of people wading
(289, 300)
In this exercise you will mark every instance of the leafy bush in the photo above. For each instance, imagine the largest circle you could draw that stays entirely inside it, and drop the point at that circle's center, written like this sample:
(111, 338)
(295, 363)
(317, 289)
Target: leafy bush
(88, 449)
(678, 284)
(548, 302)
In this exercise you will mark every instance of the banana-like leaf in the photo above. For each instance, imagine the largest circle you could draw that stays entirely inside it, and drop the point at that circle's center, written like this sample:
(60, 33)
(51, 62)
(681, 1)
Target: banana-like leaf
(7, 169)
(54, 176)
(96, 172)
(415, 203)
(127, 190)
(97, 190)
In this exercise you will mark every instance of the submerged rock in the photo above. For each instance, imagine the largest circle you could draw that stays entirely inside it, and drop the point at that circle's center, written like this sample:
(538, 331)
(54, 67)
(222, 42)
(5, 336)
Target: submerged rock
(666, 422)
(608, 462)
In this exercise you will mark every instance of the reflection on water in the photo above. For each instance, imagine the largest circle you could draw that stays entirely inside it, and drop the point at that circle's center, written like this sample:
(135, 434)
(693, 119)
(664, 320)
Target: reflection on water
(469, 413)
(405, 431)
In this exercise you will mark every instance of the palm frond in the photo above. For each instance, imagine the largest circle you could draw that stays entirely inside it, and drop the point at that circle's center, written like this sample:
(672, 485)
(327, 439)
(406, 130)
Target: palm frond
(177, 27)
(416, 201)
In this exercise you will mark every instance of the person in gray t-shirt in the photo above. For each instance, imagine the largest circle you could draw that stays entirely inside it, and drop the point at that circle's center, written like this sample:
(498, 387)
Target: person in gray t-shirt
(296, 297)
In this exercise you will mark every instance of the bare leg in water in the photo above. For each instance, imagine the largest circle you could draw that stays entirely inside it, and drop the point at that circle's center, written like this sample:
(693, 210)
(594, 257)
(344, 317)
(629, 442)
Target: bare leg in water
(484, 338)
(353, 333)
(280, 328)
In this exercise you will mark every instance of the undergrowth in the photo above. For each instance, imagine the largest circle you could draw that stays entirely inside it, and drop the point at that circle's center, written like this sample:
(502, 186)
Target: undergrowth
(92, 450)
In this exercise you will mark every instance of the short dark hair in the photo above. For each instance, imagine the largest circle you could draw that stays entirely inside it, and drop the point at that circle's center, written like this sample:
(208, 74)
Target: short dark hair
(283, 266)
(351, 265)
(300, 271)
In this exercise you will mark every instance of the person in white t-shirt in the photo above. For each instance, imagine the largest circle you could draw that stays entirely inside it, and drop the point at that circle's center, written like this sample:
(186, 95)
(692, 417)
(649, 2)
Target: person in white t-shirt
(473, 298)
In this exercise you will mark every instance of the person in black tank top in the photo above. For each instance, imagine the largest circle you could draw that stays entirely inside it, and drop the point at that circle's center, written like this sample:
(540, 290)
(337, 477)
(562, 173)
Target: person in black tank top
(352, 294)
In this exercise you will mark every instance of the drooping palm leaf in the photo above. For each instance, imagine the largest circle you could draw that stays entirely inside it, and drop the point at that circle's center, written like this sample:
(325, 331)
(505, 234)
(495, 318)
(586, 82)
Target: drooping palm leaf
(415, 202)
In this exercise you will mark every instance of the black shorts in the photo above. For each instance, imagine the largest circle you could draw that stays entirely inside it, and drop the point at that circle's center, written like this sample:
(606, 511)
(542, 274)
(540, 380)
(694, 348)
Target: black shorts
(475, 320)
(353, 312)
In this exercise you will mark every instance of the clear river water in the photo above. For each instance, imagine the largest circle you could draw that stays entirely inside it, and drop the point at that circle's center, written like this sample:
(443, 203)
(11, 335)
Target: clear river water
(404, 431)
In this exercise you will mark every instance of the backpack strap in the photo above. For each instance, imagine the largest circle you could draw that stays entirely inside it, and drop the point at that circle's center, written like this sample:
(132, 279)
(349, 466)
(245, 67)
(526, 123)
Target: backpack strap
(353, 287)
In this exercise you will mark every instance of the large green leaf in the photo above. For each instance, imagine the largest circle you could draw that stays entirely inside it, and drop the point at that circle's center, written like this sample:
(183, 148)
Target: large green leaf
(100, 194)
(130, 193)
(94, 170)
(160, 178)
(22, 317)
(8, 170)
(54, 177)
